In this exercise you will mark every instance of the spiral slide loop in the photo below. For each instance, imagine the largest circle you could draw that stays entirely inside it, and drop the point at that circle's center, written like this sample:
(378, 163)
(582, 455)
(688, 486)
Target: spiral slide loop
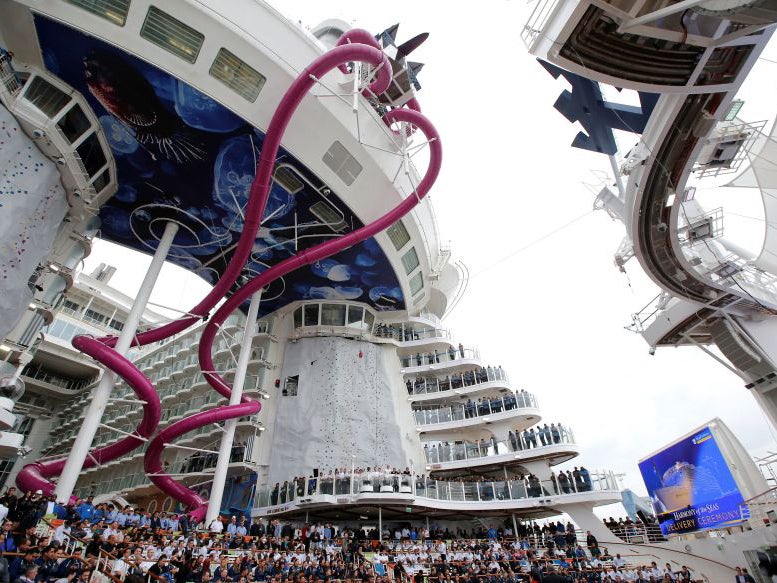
(153, 461)
(35, 476)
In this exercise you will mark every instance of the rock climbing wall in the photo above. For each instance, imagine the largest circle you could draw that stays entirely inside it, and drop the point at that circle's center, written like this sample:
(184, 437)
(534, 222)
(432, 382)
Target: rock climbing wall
(32, 206)
(349, 402)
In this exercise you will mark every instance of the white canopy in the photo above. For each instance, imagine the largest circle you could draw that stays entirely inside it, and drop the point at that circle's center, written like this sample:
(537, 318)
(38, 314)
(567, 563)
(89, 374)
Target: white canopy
(762, 174)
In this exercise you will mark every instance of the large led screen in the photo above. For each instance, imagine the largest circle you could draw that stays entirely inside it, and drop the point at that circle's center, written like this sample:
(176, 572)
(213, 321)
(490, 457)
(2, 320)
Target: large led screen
(691, 486)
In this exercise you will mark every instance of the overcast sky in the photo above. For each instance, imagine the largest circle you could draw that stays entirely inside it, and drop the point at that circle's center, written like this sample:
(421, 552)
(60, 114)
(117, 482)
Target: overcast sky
(550, 307)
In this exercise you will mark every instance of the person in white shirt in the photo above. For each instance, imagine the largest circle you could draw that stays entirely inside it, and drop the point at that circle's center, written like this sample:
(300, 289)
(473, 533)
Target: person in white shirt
(216, 526)
(654, 571)
(121, 565)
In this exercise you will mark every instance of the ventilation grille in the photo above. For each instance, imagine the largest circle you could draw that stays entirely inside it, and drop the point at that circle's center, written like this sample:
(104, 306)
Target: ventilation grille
(114, 11)
(342, 163)
(237, 75)
(398, 235)
(330, 216)
(172, 35)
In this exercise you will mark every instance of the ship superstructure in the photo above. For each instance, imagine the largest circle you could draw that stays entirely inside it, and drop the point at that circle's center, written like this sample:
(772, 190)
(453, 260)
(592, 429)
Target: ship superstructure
(277, 164)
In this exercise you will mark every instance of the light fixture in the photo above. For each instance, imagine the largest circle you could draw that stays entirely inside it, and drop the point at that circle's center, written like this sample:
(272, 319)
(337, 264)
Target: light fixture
(33, 306)
(5, 347)
(53, 267)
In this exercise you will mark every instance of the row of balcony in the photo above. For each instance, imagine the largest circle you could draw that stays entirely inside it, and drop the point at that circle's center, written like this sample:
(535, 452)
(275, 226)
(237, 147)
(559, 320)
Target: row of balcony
(451, 382)
(443, 452)
(419, 487)
(38, 373)
(452, 355)
(169, 387)
(316, 318)
(475, 409)
(193, 395)
(183, 463)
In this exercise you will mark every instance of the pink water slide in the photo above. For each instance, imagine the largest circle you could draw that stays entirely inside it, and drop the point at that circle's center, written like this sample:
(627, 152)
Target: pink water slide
(354, 46)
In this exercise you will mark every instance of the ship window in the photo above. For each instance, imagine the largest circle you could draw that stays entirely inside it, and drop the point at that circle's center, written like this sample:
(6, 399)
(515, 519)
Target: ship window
(112, 10)
(311, 315)
(298, 317)
(74, 123)
(290, 386)
(342, 163)
(329, 216)
(332, 315)
(410, 261)
(355, 317)
(91, 153)
(287, 179)
(101, 181)
(45, 96)
(416, 283)
(398, 235)
(237, 75)
(172, 35)
(369, 319)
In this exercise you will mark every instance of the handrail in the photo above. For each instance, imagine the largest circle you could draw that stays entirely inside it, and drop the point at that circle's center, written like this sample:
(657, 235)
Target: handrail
(453, 381)
(442, 452)
(419, 486)
(440, 357)
(472, 409)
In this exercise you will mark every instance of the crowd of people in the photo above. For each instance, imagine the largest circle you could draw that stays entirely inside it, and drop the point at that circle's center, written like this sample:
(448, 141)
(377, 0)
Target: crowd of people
(88, 542)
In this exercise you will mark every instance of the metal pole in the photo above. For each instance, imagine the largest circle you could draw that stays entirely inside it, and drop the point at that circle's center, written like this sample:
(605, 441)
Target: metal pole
(380, 524)
(93, 415)
(618, 180)
(225, 448)
(515, 527)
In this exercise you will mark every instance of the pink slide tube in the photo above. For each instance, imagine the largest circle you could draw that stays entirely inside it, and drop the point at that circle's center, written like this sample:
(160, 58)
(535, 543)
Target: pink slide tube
(153, 461)
(36, 475)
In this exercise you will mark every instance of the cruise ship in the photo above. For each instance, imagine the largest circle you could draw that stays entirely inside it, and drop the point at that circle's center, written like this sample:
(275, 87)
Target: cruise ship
(289, 168)
(326, 385)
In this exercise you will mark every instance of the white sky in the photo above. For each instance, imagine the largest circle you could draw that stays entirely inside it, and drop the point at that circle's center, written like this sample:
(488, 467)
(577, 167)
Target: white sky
(553, 313)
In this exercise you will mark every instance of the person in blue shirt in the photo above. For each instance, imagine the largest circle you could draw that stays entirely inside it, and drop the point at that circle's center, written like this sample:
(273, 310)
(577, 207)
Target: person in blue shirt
(232, 526)
(86, 509)
(133, 518)
(116, 515)
(242, 530)
(145, 520)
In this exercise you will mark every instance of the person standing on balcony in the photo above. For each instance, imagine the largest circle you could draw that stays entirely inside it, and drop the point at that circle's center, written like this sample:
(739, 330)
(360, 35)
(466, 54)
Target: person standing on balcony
(461, 349)
(554, 432)
(451, 353)
(513, 441)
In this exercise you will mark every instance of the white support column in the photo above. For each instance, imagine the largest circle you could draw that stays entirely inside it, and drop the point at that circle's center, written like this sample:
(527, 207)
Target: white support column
(380, 524)
(102, 393)
(227, 438)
